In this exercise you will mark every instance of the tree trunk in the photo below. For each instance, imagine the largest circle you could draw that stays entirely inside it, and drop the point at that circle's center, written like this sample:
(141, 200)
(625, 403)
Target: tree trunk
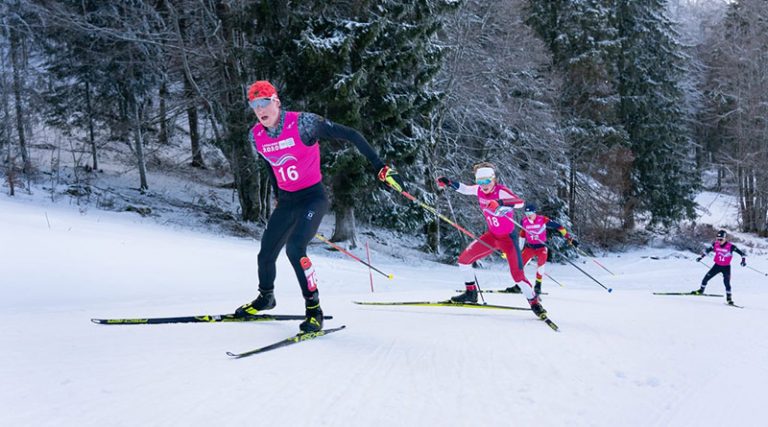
(17, 63)
(191, 99)
(139, 141)
(572, 191)
(194, 135)
(232, 112)
(345, 226)
(91, 136)
(432, 227)
(162, 138)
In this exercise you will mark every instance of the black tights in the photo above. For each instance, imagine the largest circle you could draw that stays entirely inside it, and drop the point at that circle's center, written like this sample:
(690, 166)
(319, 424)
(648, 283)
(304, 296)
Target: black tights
(293, 224)
(725, 269)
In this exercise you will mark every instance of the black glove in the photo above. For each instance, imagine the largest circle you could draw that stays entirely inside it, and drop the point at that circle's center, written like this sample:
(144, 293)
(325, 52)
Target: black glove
(391, 178)
(442, 182)
(698, 259)
(574, 243)
(743, 261)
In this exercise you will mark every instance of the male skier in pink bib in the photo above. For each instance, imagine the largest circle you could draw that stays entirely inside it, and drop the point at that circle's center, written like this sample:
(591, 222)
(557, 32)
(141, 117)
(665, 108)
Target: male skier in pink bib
(288, 142)
(497, 204)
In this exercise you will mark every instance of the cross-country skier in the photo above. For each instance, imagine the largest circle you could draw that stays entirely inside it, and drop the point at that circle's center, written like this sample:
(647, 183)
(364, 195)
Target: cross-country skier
(723, 254)
(497, 204)
(288, 142)
(534, 230)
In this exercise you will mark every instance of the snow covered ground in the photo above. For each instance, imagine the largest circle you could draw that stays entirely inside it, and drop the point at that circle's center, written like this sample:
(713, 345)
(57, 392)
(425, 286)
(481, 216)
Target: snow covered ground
(626, 358)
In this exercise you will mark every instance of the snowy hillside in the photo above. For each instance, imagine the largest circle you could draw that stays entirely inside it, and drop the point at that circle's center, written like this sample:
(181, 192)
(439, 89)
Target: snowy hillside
(627, 358)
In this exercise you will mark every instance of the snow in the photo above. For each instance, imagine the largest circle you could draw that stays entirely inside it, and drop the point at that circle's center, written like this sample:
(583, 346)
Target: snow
(626, 358)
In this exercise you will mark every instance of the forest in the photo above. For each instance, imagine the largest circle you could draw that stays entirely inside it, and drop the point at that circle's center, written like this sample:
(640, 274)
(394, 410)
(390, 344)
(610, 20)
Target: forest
(609, 114)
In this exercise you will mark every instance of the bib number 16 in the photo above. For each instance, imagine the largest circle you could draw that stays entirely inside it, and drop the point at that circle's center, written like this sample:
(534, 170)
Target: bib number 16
(288, 173)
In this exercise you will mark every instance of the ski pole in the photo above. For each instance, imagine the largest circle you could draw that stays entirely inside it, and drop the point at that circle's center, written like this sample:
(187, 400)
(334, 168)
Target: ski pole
(593, 259)
(370, 272)
(703, 263)
(568, 261)
(446, 219)
(546, 274)
(587, 274)
(756, 270)
(450, 207)
(345, 252)
(553, 279)
(479, 291)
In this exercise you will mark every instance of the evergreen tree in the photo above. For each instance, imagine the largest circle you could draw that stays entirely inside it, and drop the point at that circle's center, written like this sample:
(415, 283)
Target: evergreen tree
(650, 63)
(367, 65)
(737, 95)
(583, 42)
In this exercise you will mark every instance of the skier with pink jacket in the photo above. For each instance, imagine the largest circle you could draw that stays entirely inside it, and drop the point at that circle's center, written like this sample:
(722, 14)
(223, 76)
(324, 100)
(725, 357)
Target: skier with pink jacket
(497, 204)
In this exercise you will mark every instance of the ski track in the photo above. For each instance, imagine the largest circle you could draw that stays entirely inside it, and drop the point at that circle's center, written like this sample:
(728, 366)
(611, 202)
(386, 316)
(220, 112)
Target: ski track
(626, 358)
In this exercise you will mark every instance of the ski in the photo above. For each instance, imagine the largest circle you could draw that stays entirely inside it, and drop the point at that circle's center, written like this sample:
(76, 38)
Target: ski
(499, 291)
(444, 304)
(300, 337)
(688, 293)
(549, 322)
(734, 305)
(206, 318)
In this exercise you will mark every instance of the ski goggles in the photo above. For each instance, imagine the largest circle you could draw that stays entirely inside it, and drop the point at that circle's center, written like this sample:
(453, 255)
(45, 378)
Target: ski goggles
(261, 102)
(483, 181)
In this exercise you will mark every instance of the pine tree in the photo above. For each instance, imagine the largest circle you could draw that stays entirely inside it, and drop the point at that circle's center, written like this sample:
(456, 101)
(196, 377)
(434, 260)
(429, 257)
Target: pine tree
(583, 42)
(649, 65)
(368, 66)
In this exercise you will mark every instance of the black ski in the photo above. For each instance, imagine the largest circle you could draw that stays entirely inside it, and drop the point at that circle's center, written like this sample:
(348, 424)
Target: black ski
(206, 318)
(688, 294)
(549, 322)
(448, 303)
(500, 291)
(300, 337)
(734, 305)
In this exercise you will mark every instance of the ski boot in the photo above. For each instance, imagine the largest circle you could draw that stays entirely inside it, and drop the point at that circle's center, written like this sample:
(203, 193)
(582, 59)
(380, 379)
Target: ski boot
(697, 292)
(314, 320)
(470, 295)
(265, 301)
(513, 290)
(537, 309)
(729, 300)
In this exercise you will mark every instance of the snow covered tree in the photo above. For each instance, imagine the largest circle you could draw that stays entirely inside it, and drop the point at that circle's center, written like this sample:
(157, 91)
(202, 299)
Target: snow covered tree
(737, 95)
(622, 96)
(367, 65)
(650, 63)
(583, 42)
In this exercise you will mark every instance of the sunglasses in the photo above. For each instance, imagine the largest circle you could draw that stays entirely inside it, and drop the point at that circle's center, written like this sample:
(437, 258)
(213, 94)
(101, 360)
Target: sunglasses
(484, 181)
(261, 102)
(529, 213)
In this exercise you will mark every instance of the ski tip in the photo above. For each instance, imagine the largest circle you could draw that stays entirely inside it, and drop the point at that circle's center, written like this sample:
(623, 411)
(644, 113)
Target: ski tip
(97, 321)
(230, 354)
